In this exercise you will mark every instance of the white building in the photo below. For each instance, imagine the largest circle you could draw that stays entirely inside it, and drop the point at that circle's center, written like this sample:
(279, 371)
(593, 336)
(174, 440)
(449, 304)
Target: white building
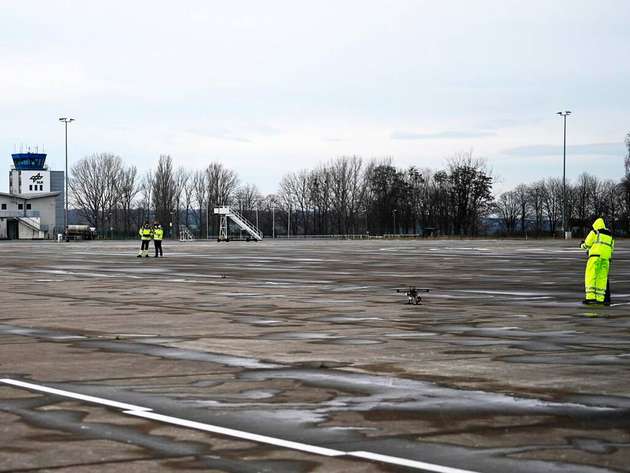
(34, 205)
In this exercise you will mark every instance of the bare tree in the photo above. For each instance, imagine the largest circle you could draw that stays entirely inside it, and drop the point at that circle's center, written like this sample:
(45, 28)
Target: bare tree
(552, 201)
(347, 190)
(536, 202)
(145, 191)
(471, 191)
(180, 181)
(200, 185)
(521, 194)
(222, 182)
(188, 197)
(127, 191)
(508, 207)
(94, 184)
(163, 192)
(320, 196)
(295, 192)
(87, 188)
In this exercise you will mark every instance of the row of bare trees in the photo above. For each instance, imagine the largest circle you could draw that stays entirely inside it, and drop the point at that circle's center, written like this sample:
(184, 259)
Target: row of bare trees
(104, 191)
(347, 195)
(537, 208)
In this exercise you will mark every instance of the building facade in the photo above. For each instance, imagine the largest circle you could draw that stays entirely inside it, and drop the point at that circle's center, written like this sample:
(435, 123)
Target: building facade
(34, 205)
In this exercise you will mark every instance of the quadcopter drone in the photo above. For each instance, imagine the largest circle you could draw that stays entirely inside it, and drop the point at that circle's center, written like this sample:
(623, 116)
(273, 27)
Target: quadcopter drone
(413, 294)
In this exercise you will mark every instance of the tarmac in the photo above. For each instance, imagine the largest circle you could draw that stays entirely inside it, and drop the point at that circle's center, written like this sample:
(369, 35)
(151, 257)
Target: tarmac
(300, 356)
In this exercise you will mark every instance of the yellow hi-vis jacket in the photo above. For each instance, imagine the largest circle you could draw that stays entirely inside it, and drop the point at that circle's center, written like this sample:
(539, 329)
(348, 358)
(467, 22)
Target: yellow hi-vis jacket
(599, 241)
(145, 233)
(158, 233)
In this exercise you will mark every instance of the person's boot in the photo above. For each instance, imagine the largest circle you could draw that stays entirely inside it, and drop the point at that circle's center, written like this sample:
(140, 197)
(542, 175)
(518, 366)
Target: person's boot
(589, 301)
(140, 255)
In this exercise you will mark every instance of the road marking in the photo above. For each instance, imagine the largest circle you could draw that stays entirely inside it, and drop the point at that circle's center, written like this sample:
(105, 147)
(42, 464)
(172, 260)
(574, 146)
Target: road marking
(238, 433)
(82, 397)
(147, 413)
(406, 462)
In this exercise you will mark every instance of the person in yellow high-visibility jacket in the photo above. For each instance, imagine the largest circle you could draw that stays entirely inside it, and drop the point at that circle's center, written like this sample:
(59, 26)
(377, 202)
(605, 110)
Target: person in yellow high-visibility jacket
(600, 245)
(158, 236)
(146, 233)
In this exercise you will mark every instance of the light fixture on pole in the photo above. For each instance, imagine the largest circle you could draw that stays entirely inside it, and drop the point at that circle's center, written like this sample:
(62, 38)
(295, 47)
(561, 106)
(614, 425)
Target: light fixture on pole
(65, 121)
(566, 234)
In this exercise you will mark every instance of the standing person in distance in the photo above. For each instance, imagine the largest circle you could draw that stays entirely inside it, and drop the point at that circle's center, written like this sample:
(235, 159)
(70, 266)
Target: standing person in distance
(146, 233)
(158, 236)
(600, 245)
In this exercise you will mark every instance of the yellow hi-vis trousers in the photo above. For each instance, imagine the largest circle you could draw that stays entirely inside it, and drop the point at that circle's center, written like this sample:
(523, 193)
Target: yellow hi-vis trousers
(596, 278)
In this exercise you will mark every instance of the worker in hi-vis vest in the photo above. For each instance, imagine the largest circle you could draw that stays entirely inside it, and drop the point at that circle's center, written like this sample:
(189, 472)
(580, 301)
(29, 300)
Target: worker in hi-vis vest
(600, 245)
(146, 233)
(158, 236)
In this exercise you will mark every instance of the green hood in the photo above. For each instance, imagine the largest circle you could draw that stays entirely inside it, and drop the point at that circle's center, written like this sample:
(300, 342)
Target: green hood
(599, 224)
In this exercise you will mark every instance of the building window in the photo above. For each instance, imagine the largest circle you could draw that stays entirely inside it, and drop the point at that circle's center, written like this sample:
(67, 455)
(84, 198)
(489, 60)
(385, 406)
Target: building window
(30, 188)
(4, 206)
(20, 206)
(28, 206)
(41, 188)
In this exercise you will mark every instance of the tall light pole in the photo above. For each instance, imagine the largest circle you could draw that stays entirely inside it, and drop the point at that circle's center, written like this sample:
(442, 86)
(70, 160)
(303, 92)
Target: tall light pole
(564, 115)
(65, 121)
(289, 223)
(273, 222)
(394, 214)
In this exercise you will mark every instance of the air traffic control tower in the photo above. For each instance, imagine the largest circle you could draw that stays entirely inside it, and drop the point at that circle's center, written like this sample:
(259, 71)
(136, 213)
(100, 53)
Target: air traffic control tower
(36, 197)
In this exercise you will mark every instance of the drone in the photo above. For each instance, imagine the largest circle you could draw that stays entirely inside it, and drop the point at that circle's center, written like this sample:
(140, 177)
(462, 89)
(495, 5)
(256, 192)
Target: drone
(413, 294)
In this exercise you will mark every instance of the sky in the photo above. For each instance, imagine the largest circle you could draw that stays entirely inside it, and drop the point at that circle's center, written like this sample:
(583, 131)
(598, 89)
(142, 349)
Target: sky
(277, 86)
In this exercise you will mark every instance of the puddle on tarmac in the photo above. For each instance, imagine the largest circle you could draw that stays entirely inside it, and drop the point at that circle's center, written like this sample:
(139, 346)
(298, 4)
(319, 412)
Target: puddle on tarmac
(410, 334)
(347, 319)
(356, 341)
(300, 336)
(39, 333)
(399, 394)
(178, 354)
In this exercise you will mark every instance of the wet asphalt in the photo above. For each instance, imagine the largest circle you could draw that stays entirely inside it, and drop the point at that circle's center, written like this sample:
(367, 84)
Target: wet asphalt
(501, 369)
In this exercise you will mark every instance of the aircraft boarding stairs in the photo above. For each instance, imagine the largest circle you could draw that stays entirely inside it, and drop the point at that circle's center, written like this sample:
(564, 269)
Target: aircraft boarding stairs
(228, 213)
(185, 234)
(33, 225)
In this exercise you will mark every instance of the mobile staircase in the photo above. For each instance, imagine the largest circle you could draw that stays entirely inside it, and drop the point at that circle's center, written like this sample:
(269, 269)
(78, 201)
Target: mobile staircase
(185, 234)
(33, 225)
(226, 213)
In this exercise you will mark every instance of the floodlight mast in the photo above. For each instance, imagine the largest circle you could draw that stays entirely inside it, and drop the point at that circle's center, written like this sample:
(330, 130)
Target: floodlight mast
(65, 121)
(564, 115)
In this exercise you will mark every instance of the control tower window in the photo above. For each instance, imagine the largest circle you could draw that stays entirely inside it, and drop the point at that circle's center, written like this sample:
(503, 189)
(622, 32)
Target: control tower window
(4, 206)
(28, 206)
(20, 206)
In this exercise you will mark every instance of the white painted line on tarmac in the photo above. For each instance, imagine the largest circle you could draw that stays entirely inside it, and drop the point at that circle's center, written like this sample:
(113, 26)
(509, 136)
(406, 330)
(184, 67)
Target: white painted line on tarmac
(406, 462)
(147, 413)
(238, 433)
(81, 397)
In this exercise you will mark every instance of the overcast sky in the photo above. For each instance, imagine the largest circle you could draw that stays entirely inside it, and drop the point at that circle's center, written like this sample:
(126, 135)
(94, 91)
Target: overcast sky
(269, 87)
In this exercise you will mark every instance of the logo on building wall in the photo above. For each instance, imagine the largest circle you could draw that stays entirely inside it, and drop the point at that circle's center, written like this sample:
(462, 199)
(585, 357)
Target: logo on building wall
(36, 177)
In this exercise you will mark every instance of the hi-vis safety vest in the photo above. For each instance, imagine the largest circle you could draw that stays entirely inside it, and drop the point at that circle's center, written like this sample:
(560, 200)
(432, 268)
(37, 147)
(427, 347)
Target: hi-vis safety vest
(145, 233)
(599, 241)
(158, 234)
